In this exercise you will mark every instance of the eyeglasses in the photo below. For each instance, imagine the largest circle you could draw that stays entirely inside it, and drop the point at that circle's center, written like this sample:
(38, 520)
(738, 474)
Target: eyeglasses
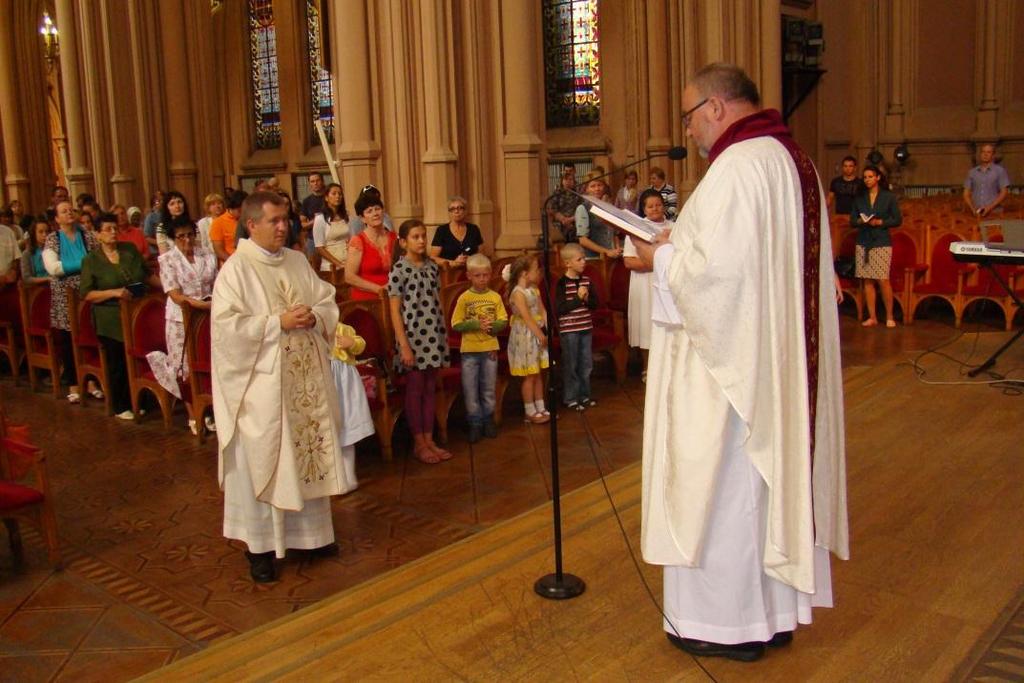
(456, 208)
(689, 112)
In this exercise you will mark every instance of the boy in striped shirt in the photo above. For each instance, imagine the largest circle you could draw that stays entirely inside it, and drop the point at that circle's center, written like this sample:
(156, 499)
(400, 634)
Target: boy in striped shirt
(574, 299)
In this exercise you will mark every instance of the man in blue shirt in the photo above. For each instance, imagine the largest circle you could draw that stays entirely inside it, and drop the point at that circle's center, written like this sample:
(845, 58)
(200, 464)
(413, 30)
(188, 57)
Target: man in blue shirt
(986, 184)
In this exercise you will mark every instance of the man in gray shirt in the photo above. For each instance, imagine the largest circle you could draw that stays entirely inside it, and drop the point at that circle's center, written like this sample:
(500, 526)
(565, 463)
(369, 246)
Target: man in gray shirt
(986, 184)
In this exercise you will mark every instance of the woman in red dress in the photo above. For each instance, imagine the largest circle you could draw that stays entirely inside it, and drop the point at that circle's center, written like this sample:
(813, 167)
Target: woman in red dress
(369, 252)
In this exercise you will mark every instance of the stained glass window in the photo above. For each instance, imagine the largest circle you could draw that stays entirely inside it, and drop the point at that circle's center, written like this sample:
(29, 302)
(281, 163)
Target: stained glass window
(572, 65)
(321, 85)
(266, 96)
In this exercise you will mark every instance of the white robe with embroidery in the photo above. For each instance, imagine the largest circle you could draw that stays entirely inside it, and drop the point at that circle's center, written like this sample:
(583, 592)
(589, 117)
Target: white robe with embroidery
(274, 401)
(727, 422)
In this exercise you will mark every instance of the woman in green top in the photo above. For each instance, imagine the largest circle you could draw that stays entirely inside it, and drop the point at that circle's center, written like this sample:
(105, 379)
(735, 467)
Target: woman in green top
(106, 274)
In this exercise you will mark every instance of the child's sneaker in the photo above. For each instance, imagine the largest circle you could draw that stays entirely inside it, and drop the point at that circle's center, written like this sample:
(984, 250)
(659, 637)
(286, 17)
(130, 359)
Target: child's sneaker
(572, 405)
(475, 433)
(490, 429)
(588, 403)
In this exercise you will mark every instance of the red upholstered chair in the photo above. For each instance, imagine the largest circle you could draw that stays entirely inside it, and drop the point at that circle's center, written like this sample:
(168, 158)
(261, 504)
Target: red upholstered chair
(904, 269)
(942, 278)
(367, 318)
(609, 325)
(851, 286)
(618, 287)
(40, 347)
(25, 495)
(198, 388)
(449, 380)
(90, 357)
(12, 338)
(142, 321)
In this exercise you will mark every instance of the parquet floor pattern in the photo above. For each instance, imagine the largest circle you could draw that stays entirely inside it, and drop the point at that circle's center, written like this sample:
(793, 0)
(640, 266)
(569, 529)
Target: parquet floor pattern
(149, 579)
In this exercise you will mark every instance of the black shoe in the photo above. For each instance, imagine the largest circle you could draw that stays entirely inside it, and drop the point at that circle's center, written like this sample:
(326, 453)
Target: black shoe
(475, 433)
(261, 567)
(741, 652)
(780, 639)
(490, 429)
(329, 550)
(588, 403)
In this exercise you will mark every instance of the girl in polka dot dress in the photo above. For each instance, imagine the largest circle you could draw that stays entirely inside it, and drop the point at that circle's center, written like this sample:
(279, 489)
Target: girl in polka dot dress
(420, 335)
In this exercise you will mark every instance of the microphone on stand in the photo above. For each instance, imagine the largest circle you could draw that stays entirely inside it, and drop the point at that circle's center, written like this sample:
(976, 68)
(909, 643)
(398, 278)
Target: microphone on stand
(561, 585)
(676, 153)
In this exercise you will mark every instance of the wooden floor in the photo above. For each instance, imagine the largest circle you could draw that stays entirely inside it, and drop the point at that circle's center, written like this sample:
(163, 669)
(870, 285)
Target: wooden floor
(936, 499)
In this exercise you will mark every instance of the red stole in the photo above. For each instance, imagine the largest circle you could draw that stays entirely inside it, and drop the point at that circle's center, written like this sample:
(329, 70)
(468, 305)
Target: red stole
(768, 122)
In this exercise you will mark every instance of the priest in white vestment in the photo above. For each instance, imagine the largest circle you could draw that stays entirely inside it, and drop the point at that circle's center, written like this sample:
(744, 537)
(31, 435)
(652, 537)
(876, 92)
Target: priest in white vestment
(274, 399)
(744, 489)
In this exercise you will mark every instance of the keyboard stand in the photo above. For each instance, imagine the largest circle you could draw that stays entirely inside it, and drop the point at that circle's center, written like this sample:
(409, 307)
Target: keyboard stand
(992, 359)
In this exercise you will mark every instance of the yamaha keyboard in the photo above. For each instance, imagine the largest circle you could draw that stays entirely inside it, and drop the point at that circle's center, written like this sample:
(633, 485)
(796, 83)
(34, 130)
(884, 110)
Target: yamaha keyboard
(977, 252)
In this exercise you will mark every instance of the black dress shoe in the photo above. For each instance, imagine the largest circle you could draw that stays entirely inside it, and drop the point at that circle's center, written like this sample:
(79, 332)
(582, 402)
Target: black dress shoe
(741, 652)
(780, 639)
(329, 550)
(261, 567)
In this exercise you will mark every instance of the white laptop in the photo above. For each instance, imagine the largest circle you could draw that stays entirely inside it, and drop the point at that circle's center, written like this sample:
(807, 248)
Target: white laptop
(1012, 232)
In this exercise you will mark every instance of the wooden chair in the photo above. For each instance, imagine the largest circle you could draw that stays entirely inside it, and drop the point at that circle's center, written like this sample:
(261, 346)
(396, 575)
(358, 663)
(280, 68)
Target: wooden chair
(198, 388)
(40, 346)
(449, 380)
(609, 325)
(943, 278)
(21, 499)
(142, 321)
(367, 318)
(90, 356)
(12, 337)
(904, 269)
(851, 286)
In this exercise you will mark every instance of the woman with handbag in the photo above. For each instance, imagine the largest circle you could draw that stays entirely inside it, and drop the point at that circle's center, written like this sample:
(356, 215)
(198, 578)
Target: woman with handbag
(108, 275)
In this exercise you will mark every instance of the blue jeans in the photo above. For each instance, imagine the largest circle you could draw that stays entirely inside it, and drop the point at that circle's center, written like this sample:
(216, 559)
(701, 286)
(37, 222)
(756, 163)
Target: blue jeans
(479, 375)
(577, 362)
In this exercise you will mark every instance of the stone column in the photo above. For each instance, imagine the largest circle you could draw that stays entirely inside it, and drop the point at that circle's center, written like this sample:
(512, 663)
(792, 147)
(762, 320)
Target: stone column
(658, 79)
(988, 48)
(16, 181)
(475, 122)
(178, 101)
(79, 173)
(769, 53)
(357, 148)
(895, 31)
(439, 158)
(521, 143)
(116, 71)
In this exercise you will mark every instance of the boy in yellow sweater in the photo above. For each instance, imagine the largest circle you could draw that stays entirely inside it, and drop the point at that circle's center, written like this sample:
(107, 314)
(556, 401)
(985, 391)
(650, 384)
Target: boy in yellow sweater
(479, 317)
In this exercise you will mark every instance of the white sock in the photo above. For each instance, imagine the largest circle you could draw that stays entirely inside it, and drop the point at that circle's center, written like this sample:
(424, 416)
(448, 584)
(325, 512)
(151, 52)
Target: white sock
(539, 404)
(531, 407)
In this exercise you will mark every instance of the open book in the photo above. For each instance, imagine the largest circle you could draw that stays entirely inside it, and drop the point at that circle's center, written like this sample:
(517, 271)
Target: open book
(627, 221)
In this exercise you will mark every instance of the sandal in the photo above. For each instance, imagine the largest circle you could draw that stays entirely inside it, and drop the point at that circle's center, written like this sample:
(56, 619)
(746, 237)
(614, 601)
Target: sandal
(73, 397)
(890, 323)
(97, 394)
(538, 418)
(426, 455)
(869, 323)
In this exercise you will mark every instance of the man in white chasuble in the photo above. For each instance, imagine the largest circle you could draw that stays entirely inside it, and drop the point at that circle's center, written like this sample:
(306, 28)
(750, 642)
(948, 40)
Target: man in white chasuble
(744, 483)
(277, 411)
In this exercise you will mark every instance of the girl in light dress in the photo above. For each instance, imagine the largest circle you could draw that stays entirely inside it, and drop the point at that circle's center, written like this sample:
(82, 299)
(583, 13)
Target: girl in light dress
(527, 341)
(639, 312)
(420, 335)
(356, 420)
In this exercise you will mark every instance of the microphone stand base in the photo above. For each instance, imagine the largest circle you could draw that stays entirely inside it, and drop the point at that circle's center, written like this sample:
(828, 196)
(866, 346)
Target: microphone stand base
(551, 588)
